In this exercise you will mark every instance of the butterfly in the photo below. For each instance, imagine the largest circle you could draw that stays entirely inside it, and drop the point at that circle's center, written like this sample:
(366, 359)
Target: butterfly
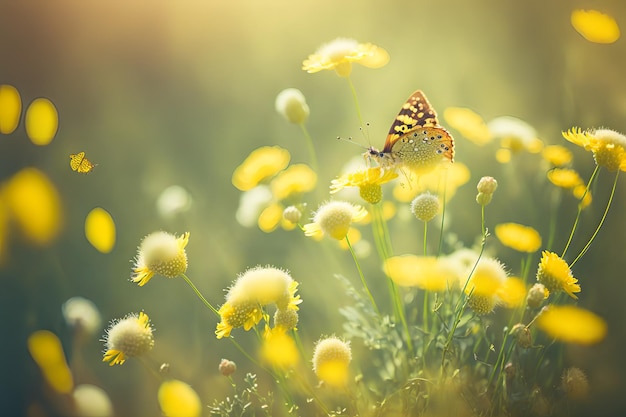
(80, 164)
(415, 139)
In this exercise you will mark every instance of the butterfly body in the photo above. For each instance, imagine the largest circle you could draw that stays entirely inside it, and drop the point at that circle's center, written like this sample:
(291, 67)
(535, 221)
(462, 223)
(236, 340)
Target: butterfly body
(415, 139)
(80, 164)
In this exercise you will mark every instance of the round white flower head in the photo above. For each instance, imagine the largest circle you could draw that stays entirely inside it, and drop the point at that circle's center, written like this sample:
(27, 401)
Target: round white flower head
(425, 206)
(128, 337)
(82, 314)
(291, 104)
(334, 219)
(160, 253)
(331, 358)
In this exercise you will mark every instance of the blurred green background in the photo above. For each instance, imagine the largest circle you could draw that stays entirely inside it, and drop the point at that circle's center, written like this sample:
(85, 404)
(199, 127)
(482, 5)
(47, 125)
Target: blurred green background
(179, 92)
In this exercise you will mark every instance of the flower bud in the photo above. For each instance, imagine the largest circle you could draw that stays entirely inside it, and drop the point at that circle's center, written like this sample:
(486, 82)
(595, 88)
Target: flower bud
(291, 104)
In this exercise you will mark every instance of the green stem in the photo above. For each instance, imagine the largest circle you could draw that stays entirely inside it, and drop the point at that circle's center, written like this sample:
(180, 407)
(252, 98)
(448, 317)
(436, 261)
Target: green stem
(310, 146)
(199, 294)
(595, 233)
(425, 234)
(358, 267)
(356, 101)
(580, 208)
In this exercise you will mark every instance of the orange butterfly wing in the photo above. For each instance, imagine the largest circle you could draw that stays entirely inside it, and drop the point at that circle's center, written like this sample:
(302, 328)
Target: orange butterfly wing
(417, 111)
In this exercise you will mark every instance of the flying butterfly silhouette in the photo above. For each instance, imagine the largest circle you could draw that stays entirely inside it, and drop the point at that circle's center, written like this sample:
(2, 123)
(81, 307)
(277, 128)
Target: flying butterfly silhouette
(415, 139)
(80, 164)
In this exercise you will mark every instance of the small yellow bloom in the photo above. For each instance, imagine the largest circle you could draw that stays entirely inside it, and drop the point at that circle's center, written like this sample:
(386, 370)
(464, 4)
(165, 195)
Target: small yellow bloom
(469, 123)
(129, 337)
(47, 352)
(485, 284)
(557, 155)
(340, 53)
(564, 178)
(515, 135)
(160, 253)
(178, 399)
(608, 146)
(513, 292)
(555, 274)
(449, 177)
(270, 217)
(581, 193)
(41, 121)
(595, 26)
(368, 180)
(572, 324)
(239, 313)
(279, 349)
(331, 358)
(425, 272)
(519, 237)
(100, 230)
(261, 164)
(334, 219)
(295, 180)
(10, 108)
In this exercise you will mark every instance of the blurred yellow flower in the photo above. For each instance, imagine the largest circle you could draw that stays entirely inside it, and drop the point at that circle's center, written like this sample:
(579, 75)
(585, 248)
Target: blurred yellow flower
(10, 108)
(557, 155)
(293, 181)
(340, 53)
(449, 178)
(271, 217)
(291, 104)
(178, 399)
(469, 124)
(279, 349)
(47, 352)
(261, 164)
(368, 180)
(41, 121)
(331, 358)
(34, 203)
(519, 237)
(334, 219)
(595, 26)
(564, 178)
(129, 337)
(513, 292)
(555, 274)
(581, 192)
(572, 324)
(608, 146)
(160, 253)
(425, 272)
(485, 284)
(100, 230)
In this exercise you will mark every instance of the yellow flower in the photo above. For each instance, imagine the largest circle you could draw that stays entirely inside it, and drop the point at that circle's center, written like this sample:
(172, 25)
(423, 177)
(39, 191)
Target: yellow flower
(608, 146)
(340, 53)
(557, 155)
(334, 219)
(449, 177)
(368, 180)
(519, 237)
(572, 324)
(160, 253)
(47, 352)
(295, 180)
(555, 274)
(581, 192)
(425, 207)
(10, 108)
(469, 123)
(513, 292)
(261, 164)
(425, 272)
(254, 289)
(131, 336)
(279, 349)
(177, 399)
(485, 284)
(515, 134)
(331, 358)
(595, 26)
(564, 178)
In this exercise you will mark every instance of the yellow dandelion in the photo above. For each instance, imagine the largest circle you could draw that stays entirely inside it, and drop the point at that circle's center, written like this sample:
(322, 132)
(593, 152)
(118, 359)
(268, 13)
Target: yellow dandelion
(572, 324)
(368, 180)
(331, 359)
(595, 26)
(129, 337)
(425, 272)
(555, 274)
(295, 180)
(557, 155)
(340, 53)
(608, 146)
(160, 253)
(261, 164)
(469, 124)
(564, 178)
(519, 237)
(334, 219)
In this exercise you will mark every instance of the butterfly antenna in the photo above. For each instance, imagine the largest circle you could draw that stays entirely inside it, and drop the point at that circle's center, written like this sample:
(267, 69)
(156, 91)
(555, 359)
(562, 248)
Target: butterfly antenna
(366, 133)
(349, 140)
